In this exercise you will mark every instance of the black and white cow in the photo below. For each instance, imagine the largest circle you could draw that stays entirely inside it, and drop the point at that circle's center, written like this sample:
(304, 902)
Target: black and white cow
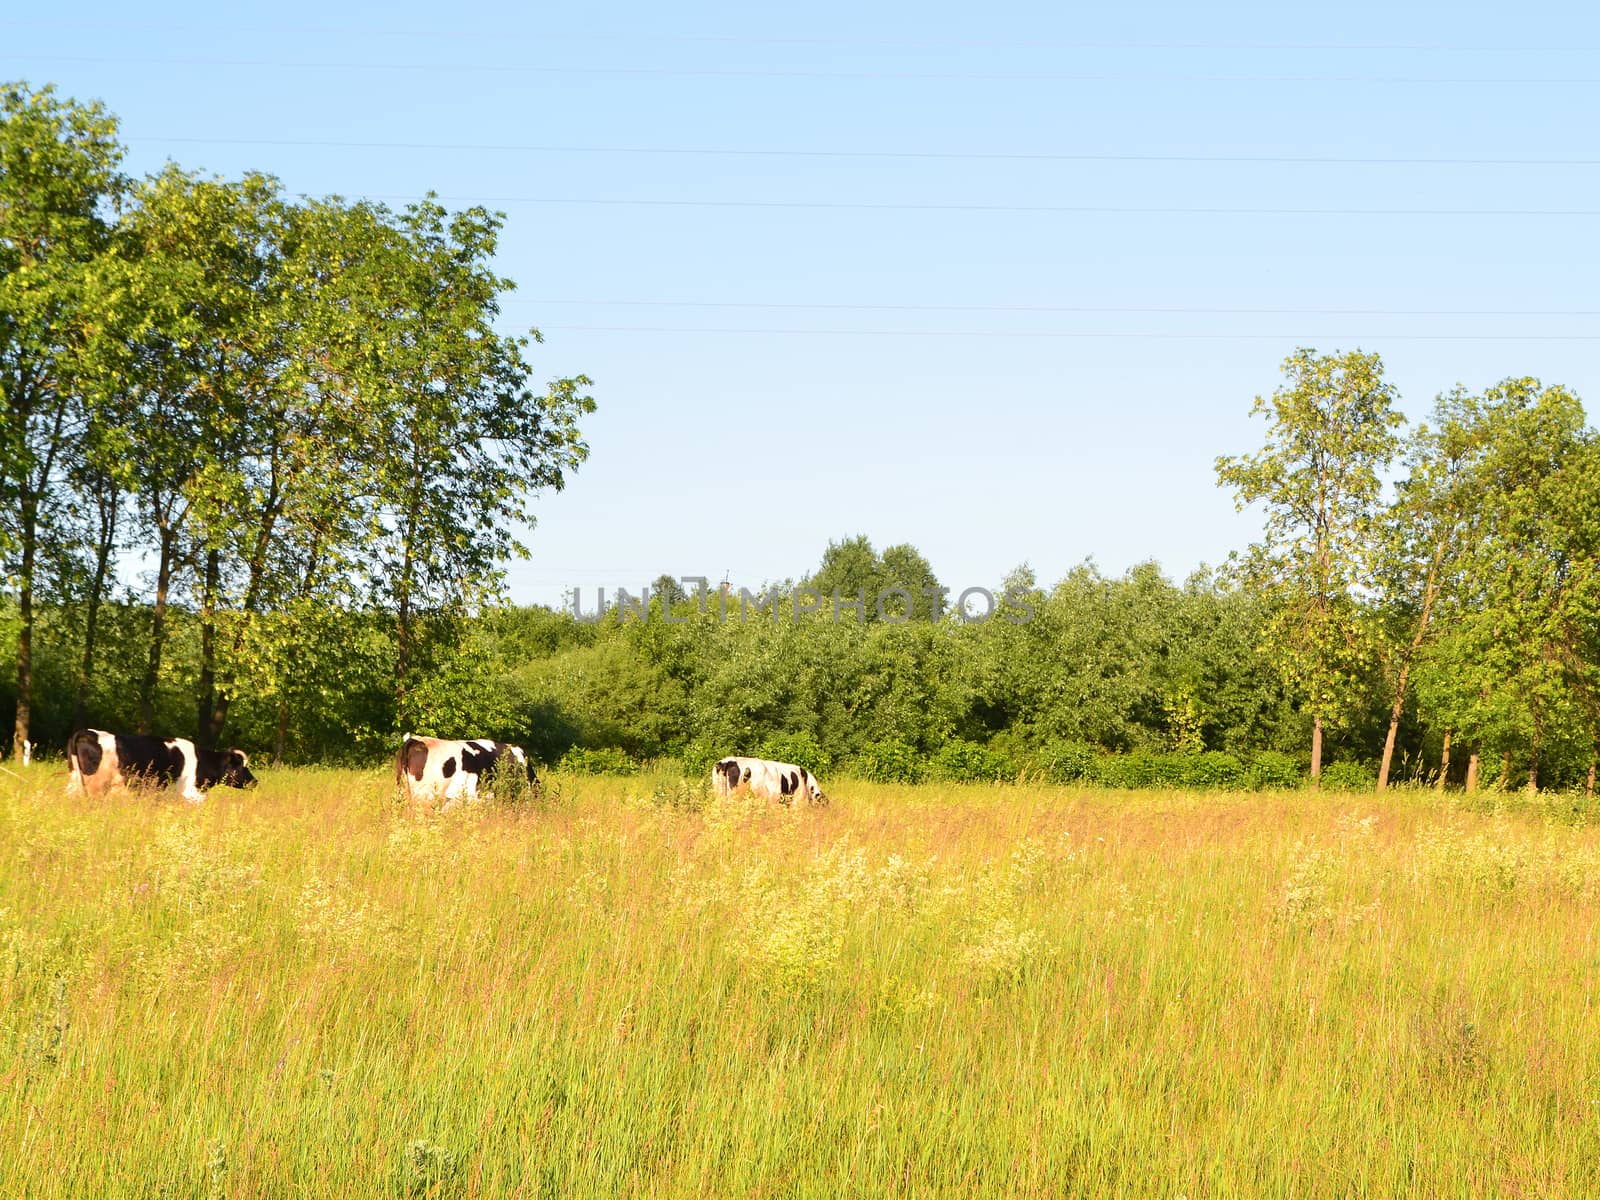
(100, 761)
(769, 780)
(443, 769)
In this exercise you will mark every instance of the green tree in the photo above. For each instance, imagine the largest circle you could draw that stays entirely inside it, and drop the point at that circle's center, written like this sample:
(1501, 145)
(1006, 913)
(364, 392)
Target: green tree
(1331, 431)
(852, 570)
(59, 179)
(466, 441)
(189, 259)
(1432, 522)
(1518, 665)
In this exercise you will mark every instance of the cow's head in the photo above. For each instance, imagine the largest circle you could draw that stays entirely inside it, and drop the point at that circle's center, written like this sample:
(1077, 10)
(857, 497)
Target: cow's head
(521, 756)
(236, 769)
(816, 792)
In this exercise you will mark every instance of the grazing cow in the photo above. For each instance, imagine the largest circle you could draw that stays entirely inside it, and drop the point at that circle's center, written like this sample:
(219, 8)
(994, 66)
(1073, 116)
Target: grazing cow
(440, 769)
(100, 761)
(764, 778)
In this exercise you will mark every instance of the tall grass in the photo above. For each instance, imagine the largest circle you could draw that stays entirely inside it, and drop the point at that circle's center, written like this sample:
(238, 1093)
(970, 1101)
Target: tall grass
(937, 991)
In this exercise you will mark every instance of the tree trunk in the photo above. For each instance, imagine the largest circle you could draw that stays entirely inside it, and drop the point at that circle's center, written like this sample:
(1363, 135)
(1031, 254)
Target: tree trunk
(91, 617)
(1472, 771)
(1316, 752)
(219, 717)
(1505, 770)
(283, 731)
(19, 736)
(402, 660)
(1423, 620)
(1533, 768)
(1589, 787)
(158, 633)
(206, 730)
(1444, 762)
(222, 698)
(1394, 727)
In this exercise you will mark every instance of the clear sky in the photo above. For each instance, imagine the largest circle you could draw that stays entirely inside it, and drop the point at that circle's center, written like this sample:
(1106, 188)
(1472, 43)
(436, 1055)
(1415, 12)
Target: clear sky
(947, 274)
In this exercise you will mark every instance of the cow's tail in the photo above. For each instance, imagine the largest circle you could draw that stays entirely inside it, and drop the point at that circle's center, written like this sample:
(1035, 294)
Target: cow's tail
(400, 761)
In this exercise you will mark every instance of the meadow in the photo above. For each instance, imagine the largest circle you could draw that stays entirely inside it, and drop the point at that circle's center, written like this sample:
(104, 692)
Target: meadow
(625, 988)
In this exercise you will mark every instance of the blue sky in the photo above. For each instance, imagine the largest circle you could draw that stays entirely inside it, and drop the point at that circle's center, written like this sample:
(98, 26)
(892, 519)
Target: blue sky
(999, 359)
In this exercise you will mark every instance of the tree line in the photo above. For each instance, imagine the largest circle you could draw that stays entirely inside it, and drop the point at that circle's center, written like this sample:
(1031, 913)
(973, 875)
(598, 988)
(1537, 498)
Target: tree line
(264, 458)
(1471, 587)
(276, 412)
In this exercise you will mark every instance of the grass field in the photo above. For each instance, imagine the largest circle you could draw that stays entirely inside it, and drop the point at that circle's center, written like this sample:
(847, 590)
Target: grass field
(305, 991)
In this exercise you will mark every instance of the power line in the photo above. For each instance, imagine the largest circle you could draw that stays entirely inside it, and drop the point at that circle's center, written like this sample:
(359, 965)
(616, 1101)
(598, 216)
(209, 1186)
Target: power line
(501, 36)
(1135, 335)
(807, 73)
(937, 155)
(1096, 309)
(1069, 209)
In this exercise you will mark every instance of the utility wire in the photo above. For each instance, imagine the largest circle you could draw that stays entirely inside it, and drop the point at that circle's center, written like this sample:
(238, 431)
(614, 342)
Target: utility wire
(937, 155)
(1066, 308)
(1073, 209)
(1137, 335)
(805, 73)
(500, 36)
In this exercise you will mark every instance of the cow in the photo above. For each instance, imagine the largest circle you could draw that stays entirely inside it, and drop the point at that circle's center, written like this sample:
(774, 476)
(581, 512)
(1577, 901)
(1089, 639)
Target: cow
(99, 761)
(764, 778)
(432, 769)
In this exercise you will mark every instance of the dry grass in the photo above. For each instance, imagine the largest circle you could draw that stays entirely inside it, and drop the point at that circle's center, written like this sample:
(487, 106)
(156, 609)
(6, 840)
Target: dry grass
(304, 991)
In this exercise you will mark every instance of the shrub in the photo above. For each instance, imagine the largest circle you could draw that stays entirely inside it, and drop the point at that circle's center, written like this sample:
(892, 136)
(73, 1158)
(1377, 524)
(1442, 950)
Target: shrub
(1349, 777)
(1213, 770)
(509, 783)
(890, 761)
(1067, 762)
(697, 758)
(802, 749)
(605, 760)
(960, 761)
(1272, 769)
(1139, 769)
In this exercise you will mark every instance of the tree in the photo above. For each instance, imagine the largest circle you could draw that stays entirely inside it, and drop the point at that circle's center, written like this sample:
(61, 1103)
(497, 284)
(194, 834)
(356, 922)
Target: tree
(465, 440)
(59, 178)
(189, 261)
(903, 566)
(1430, 525)
(852, 570)
(1331, 430)
(1517, 668)
(97, 478)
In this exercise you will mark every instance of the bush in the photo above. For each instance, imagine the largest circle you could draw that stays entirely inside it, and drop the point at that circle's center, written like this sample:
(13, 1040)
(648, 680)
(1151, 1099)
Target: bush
(1272, 769)
(1067, 762)
(508, 781)
(697, 758)
(606, 760)
(1140, 769)
(890, 761)
(959, 761)
(1349, 777)
(802, 749)
(1214, 770)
